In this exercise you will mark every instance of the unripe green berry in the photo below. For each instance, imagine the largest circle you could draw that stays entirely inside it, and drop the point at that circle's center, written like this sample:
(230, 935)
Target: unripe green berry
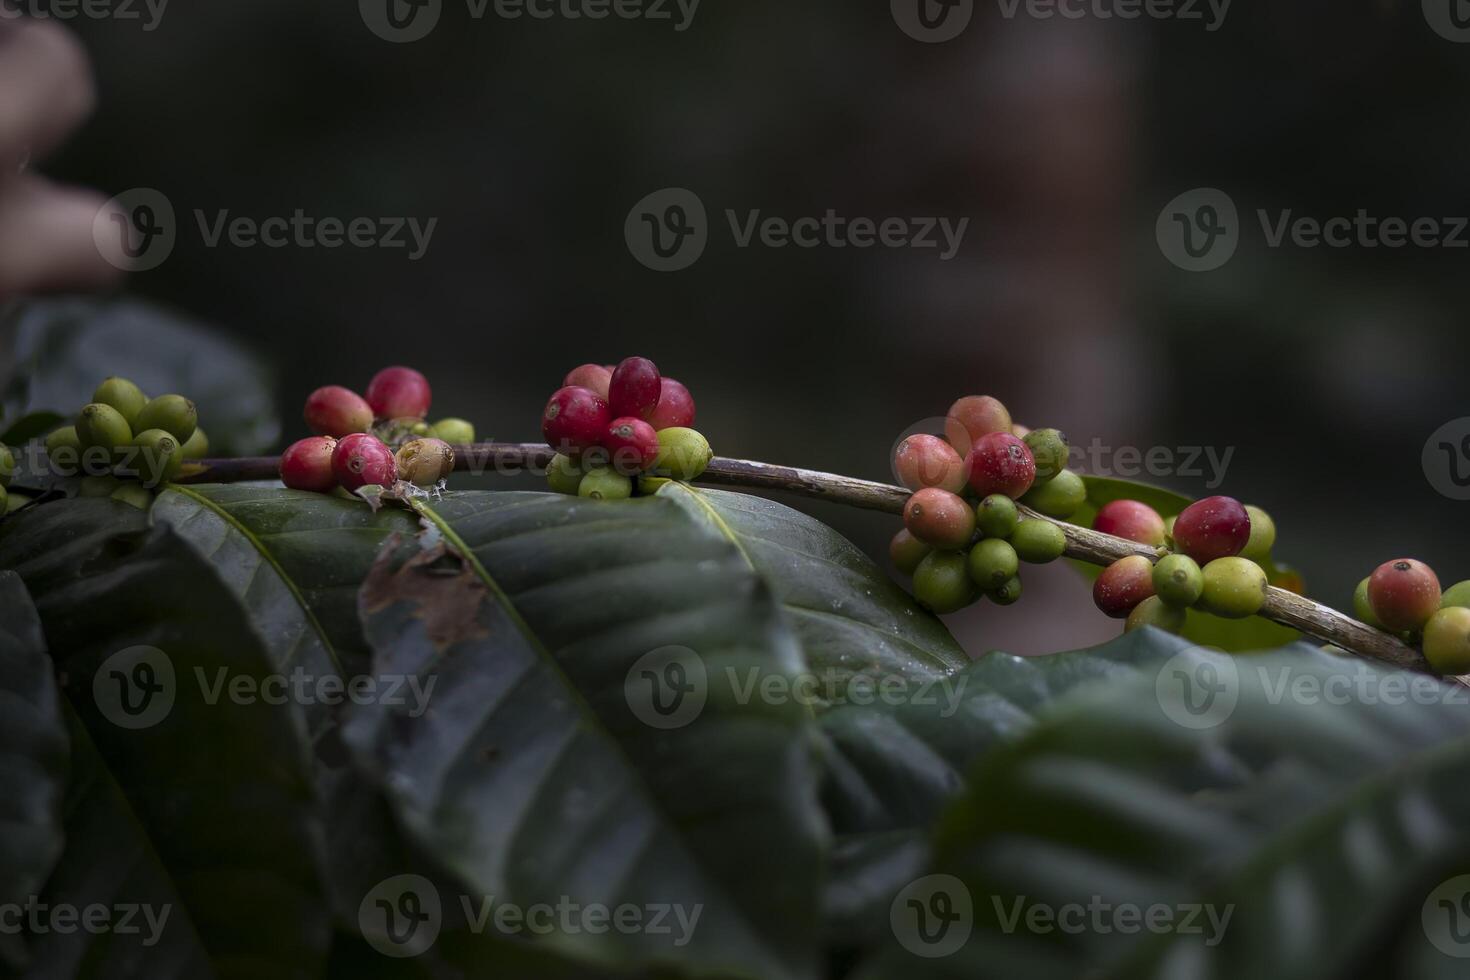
(1008, 594)
(1060, 497)
(135, 495)
(563, 475)
(153, 457)
(64, 450)
(939, 518)
(683, 453)
(174, 414)
(4, 501)
(1169, 531)
(942, 583)
(1447, 640)
(124, 396)
(456, 432)
(197, 446)
(7, 466)
(647, 485)
(98, 486)
(605, 483)
(906, 551)
(1362, 608)
(1455, 595)
(1178, 580)
(1234, 588)
(103, 427)
(1038, 542)
(993, 563)
(1049, 447)
(1154, 612)
(15, 500)
(996, 516)
(1263, 536)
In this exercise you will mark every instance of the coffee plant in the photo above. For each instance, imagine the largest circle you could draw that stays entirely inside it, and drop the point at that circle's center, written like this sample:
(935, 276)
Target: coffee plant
(359, 710)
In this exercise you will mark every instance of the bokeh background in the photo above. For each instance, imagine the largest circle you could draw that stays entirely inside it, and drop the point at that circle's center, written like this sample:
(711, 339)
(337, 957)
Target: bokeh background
(1324, 369)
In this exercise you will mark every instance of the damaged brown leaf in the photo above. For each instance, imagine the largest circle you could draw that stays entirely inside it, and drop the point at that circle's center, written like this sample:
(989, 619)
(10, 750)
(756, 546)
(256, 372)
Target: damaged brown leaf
(441, 585)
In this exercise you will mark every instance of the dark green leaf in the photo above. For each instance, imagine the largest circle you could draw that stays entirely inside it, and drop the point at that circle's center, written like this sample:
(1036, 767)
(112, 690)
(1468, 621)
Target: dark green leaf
(30, 426)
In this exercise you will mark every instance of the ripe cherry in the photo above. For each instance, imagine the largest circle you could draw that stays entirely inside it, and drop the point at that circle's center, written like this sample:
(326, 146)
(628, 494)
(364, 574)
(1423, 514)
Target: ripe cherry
(634, 389)
(1123, 585)
(928, 461)
(972, 417)
(593, 376)
(939, 518)
(336, 411)
(399, 393)
(675, 409)
(1404, 593)
(1131, 519)
(632, 445)
(1216, 527)
(362, 460)
(575, 420)
(307, 465)
(1000, 463)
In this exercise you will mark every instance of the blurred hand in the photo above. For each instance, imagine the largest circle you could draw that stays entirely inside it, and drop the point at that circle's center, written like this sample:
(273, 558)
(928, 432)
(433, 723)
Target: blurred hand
(46, 90)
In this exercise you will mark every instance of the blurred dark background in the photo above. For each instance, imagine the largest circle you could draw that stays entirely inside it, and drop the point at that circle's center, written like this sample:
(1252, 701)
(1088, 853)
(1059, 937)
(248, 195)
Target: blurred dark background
(1326, 369)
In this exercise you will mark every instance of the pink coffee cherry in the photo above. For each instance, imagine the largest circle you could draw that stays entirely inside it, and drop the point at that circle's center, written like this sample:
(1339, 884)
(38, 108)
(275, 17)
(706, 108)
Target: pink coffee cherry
(928, 461)
(575, 420)
(675, 409)
(1000, 463)
(362, 460)
(632, 445)
(940, 519)
(1131, 519)
(593, 376)
(1404, 593)
(399, 393)
(1123, 585)
(972, 417)
(307, 465)
(634, 389)
(1216, 527)
(336, 411)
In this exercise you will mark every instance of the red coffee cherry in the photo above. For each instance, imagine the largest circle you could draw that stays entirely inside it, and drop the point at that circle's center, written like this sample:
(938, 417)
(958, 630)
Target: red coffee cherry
(575, 420)
(362, 460)
(1123, 585)
(1216, 527)
(399, 393)
(307, 465)
(1404, 593)
(939, 518)
(972, 417)
(634, 389)
(1131, 519)
(336, 411)
(632, 445)
(593, 376)
(1000, 463)
(928, 461)
(675, 409)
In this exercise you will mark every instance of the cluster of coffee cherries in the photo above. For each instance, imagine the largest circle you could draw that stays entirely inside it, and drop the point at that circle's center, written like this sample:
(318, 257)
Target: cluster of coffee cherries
(356, 436)
(1213, 556)
(1404, 597)
(963, 534)
(621, 428)
(125, 444)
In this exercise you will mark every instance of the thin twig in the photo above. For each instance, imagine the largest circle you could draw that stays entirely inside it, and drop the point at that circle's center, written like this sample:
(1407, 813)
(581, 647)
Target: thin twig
(1312, 618)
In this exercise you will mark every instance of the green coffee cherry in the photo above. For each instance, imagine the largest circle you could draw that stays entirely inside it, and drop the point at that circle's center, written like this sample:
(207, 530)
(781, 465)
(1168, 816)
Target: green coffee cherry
(135, 495)
(7, 466)
(1178, 581)
(1455, 595)
(98, 486)
(996, 516)
(155, 457)
(993, 563)
(942, 583)
(683, 453)
(4, 501)
(1038, 542)
(1060, 497)
(649, 485)
(101, 426)
(563, 475)
(1049, 448)
(174, 414)
(122, 395)
(1169, 531)
(1008, 594)
(906, 551)
(1447, 640)
(64, 450)
(197, 445)
(15, 500)
(1362, 608)
(456, 432)
(1263, 536)
(1234, 588)
(605, 483)
(1155, 612)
